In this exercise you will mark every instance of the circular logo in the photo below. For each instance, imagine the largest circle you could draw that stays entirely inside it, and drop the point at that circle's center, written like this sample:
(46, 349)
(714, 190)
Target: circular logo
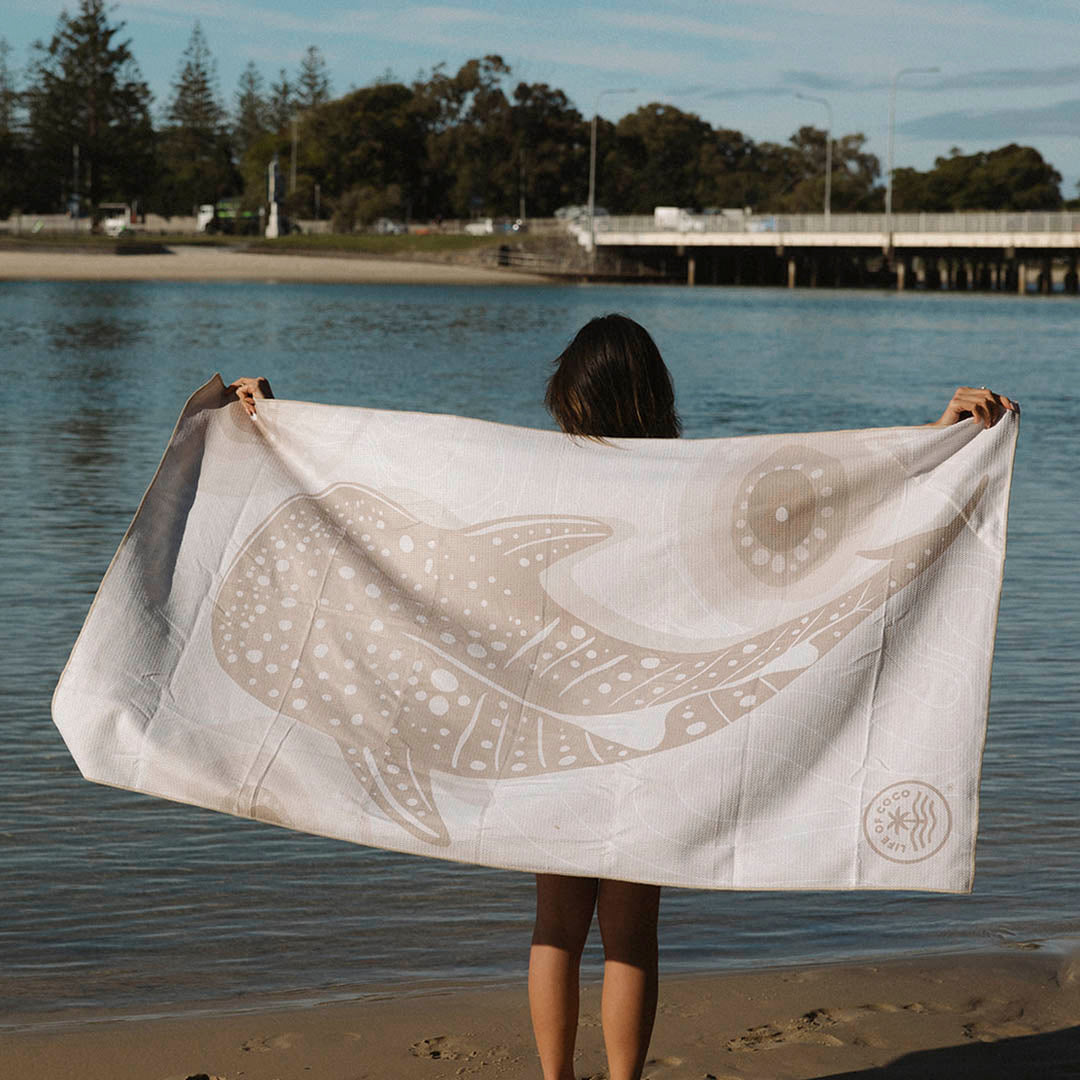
(907, 822)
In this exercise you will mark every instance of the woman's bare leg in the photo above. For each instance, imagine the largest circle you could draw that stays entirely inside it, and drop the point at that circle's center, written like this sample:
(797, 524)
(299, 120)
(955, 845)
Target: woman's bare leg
(628, 914)
(564, 911)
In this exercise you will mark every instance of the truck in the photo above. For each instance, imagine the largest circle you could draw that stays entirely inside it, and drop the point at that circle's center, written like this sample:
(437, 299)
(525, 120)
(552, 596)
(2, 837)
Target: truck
(226, 217)
(677, 219)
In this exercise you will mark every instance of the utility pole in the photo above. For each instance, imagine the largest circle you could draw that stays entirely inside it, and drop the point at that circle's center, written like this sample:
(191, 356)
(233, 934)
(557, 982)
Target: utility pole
(75, 187)
(521, 187)
(592, 170)
(892, 132)
(828, 154)
(292, 163)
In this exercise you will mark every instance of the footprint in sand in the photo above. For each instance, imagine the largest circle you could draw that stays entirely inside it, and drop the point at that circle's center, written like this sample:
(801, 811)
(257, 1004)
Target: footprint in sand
(655, 1066)
(813, 1027)
(266, 1043)
(458, 1048)
(1004, 1022)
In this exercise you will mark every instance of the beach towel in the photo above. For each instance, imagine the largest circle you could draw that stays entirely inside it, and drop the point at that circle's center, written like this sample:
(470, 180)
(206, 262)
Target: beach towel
(740, 663)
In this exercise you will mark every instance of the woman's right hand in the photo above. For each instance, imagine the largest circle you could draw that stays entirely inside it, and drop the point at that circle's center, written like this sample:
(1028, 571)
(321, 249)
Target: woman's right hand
(247, 390)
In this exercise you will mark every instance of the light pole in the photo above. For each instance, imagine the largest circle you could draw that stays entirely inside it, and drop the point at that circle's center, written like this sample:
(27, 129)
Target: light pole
(828, 154)
(592, 169)
(292, 161)
(892, 138)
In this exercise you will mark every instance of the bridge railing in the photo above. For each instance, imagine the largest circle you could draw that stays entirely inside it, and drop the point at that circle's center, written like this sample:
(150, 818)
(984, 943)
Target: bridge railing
(1030, 221)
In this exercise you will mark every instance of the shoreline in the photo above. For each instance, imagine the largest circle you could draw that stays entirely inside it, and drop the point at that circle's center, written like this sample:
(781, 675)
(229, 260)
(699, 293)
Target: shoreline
(231, 264)
(1007, 1013)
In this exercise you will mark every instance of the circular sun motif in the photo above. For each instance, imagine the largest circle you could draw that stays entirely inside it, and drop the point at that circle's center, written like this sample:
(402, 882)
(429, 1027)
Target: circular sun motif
(789, 514)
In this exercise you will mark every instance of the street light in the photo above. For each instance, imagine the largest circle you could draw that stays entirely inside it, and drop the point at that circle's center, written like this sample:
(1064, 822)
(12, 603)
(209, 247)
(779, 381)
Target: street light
(892, 126)
(828, 153)
(592, 168)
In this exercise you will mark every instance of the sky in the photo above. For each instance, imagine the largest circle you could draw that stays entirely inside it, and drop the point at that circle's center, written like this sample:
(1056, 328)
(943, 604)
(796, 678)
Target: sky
(1008, 72)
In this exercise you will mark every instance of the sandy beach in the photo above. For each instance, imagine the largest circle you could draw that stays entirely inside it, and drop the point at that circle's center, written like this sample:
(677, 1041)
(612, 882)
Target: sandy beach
(987, 1016)
(232, 264)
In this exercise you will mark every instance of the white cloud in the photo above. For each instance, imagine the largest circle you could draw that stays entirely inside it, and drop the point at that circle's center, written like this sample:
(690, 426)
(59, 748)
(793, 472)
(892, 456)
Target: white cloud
(678, 25)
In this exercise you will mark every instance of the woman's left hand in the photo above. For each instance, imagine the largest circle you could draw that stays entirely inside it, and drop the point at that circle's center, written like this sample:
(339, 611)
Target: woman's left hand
(986, 406)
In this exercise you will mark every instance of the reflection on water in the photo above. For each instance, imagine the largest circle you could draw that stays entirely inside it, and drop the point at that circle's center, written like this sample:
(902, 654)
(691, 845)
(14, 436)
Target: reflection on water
(107, 892)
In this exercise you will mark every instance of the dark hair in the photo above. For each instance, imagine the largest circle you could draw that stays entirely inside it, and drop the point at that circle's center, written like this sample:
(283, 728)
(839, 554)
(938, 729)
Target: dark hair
(611, 382)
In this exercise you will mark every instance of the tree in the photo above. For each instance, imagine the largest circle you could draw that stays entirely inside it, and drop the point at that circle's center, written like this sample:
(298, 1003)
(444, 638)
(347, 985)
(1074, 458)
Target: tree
(854, 173)
(655, 161)
(195, 152)
(249, 110)
(368, 145)
(9, 94)
(282, 103)
(551, 149)
(13, 171)
(313, 81)
(1009, 178)
(85, 91)
(470, 142)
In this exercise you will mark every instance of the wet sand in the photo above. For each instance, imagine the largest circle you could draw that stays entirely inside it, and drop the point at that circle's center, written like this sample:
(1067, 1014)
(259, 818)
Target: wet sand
(987, 1016)
(232, 264)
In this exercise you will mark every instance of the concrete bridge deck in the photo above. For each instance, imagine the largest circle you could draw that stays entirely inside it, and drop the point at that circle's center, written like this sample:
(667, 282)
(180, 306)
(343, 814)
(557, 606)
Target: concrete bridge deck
(1020, 231)
(995, 251)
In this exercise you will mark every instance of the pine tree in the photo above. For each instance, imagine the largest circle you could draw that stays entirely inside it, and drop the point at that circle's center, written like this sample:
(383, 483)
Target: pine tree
(85, 90)
(9, 94)
(313, 82)
(195, 152)
(250, 110)
(13, 173)
(282, 103)
(195, 104)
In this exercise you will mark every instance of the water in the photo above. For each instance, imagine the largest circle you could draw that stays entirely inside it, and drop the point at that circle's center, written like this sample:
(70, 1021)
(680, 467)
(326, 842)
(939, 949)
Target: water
(111, 899)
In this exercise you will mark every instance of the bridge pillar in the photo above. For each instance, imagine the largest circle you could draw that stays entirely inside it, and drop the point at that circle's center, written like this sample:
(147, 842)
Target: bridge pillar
(1072, 279)
(792, 272)
(1046, 277)
(932, 273)
(1021, 278)
(961, 276)
(691, 269)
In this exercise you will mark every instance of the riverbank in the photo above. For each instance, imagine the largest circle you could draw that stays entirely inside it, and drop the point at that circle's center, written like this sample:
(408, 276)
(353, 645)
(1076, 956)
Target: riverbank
(990, 1016)
(206, 263)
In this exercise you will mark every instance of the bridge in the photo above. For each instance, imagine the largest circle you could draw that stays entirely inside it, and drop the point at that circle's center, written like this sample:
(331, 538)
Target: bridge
(993, 251)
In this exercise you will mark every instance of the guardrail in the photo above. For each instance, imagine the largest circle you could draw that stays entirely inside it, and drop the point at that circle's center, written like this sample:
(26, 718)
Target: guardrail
(1032, 221)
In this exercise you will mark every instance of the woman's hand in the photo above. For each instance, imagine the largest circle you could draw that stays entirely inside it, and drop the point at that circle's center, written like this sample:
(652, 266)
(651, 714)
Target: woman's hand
(247, 390)
(986, 406)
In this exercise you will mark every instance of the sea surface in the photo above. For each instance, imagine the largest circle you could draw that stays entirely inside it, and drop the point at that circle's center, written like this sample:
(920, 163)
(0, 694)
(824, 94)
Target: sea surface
(114, 900)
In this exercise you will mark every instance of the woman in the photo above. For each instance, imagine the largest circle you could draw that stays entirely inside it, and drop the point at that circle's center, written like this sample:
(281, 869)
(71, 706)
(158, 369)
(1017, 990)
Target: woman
(611, 382)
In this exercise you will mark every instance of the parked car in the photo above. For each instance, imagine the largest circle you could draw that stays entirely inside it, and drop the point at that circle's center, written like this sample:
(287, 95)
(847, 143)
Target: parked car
(117, 220)
(480, 227)
(386, 227)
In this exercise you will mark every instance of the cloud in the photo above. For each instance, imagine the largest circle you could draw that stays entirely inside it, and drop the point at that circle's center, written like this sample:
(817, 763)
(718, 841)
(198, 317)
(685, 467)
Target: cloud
(993, 125)
(247, 16)
(726, 93)
(1012, 78)
(989, 79)
(679, 24)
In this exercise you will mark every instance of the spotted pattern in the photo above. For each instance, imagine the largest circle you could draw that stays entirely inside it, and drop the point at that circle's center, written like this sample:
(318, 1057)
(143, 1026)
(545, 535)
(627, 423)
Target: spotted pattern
(789, 514)
(418, 648)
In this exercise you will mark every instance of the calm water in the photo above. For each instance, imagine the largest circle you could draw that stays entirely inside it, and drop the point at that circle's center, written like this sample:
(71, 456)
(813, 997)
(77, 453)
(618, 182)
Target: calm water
(111, 899)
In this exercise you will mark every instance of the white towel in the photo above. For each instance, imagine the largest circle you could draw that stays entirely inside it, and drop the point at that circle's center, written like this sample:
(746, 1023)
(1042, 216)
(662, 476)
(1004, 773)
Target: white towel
(753, 663)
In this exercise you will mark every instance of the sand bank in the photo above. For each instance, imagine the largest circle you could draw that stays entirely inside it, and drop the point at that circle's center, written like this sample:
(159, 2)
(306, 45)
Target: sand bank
(1013, 1015)
(232, 264)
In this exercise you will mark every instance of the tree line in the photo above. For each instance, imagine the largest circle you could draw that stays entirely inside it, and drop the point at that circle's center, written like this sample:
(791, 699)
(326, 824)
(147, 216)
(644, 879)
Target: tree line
(80, 123)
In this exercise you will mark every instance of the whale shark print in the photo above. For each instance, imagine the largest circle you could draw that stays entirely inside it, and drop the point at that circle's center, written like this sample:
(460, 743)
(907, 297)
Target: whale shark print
(420, 649)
